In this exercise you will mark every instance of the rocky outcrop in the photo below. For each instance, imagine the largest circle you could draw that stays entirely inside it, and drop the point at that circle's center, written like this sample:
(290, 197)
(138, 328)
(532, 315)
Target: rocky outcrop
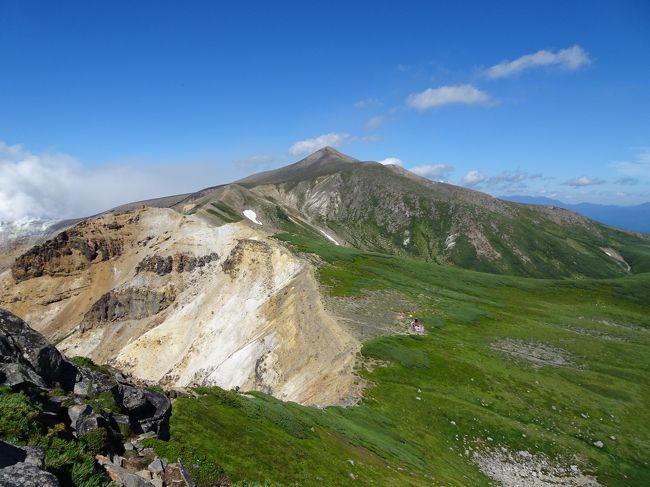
(70, 251)
(231, 265)
(128, 304)
(25, 352)
(147, 470)
(149, 411)
(29, 362)
(179, 262)
(23, 467)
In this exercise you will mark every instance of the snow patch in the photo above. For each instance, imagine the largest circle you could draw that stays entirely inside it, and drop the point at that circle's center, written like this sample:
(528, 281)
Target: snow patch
(613, 254)
(252, 216)
(329, 237)
(450, 241)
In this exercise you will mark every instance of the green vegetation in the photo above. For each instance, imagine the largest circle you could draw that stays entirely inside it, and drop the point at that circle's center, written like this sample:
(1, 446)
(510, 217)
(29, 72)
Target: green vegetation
(223, 211)
(88, 363)
(18, 417)
(72, 461)
(432, 398)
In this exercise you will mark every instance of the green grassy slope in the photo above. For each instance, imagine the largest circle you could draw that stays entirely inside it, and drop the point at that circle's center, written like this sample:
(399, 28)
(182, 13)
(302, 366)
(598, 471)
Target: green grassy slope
(385, 211)
(471, 396)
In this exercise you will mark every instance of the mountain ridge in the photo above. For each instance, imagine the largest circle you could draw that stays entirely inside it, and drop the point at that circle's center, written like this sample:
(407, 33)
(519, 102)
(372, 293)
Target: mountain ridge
(635, 218)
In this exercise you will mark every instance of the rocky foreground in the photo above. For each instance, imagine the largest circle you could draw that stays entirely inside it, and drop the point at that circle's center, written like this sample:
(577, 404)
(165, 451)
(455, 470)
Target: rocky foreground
(77, 403)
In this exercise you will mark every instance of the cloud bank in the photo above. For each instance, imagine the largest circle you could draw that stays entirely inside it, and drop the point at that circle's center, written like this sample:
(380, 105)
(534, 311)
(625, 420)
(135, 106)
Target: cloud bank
(447, 95)
(472, 178)
(433, 171)
(53, 185)
(569, 59)
(583, 181)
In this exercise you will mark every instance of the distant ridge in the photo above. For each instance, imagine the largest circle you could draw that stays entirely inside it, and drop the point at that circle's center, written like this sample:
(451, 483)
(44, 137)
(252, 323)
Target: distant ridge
(635, 218)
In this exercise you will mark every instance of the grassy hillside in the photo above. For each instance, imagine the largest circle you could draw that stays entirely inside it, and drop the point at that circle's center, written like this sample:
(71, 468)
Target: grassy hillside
(389, 211)
(467, 386)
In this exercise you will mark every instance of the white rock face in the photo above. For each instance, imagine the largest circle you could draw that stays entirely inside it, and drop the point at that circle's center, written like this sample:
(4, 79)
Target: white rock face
(251, 318)
(252, 216)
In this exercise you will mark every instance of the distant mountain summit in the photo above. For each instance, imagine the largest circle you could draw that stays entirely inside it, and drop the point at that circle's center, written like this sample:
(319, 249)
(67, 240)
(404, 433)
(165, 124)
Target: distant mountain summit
(635, 218)
(322, 162)
(371, 206)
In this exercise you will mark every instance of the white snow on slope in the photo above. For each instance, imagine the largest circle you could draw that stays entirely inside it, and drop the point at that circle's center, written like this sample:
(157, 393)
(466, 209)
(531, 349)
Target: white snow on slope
(450, 241)
(252, 216)
(329, 237)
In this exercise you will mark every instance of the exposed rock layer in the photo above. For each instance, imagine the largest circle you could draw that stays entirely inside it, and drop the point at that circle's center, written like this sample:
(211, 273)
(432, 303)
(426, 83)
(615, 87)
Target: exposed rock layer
(168, 308)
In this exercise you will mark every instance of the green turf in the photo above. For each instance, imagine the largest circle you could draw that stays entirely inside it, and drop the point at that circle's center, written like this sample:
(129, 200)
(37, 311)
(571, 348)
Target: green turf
(394, 438)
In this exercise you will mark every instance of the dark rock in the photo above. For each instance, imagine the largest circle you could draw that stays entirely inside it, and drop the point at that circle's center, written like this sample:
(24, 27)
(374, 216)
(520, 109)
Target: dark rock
(91, 382)
(20, 344)
(185, 474)
(155, 263)
(127, 304)
(68, 252)
(149, 411)
(157, 466)
(19, 376)
(23, 467)
(10, 454)
(179, 262)
(83, 419)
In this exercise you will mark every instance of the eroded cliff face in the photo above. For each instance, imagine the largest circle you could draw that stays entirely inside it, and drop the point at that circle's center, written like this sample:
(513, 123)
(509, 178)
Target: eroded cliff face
(170, 298)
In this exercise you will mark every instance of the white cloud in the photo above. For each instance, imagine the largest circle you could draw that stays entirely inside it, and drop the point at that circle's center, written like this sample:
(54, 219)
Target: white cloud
(583, 181)
(307, 146)
(472, 178)
(637, 167)
(432, 170)
(367, 103)
(57, 186)
(571, 59)
(375, 122)
(447, 95)
(391, 160)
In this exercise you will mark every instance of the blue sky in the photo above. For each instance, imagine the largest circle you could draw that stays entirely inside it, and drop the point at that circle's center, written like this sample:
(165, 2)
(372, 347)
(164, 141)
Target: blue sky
(136, 99)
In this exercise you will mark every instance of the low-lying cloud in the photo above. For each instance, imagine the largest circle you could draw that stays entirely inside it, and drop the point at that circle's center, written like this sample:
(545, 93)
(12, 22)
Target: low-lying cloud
(54, 185)
(583, 181)
(473, 178)
(433, 171)
(391, 160)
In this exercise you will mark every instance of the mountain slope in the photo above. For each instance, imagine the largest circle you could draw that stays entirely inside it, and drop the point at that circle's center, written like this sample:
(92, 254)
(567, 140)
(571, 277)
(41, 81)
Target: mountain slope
(514, 379)
(388, 209)
(223, 305)
(635, 218)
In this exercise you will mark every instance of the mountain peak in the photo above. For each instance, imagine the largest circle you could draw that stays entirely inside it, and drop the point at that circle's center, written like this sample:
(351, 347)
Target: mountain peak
(324, 161)
(328, 154)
